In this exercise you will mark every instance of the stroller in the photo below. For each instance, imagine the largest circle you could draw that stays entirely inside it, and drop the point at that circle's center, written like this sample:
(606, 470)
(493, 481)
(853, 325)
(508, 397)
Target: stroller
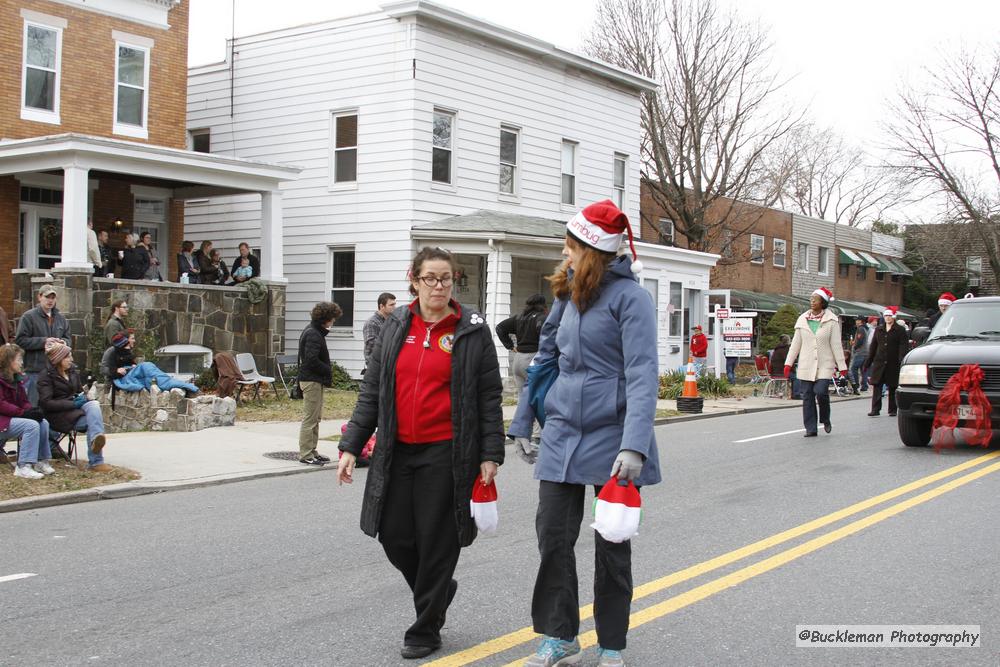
(844, 386)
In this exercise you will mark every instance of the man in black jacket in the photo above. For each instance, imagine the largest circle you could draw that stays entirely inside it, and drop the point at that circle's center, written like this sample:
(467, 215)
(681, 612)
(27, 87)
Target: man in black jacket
(40, 328)
(525, 329)
(315, 372)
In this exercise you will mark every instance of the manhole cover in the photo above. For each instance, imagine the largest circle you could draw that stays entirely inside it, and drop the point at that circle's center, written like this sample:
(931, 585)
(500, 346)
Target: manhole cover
(283, 456)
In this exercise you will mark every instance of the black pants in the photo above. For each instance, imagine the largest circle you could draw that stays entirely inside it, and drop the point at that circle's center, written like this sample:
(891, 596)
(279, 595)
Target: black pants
(814, 393)
(555, 606)
(877, 397)
(418, 532)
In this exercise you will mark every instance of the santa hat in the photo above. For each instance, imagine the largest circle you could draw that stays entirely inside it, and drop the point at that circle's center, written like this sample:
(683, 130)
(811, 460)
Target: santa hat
(946, 299)
(57, 353)
(890, 311)
(617, 511)
(824, 293)
(483, 506)
(602, 226)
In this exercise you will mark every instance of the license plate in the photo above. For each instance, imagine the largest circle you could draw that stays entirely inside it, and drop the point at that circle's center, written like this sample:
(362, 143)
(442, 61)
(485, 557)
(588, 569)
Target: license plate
(965, 412)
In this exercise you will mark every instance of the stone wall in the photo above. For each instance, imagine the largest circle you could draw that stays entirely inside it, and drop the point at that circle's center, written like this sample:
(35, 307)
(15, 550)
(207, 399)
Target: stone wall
(157, 410)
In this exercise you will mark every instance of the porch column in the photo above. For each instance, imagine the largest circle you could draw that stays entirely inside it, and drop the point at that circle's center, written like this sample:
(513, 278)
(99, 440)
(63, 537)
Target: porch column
(74, 222)
(272, 237)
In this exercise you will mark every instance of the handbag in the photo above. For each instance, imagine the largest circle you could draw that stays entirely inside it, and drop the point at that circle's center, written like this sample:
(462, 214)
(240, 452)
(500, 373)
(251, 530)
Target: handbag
(541, 377)
(617, 511)
(295, 392)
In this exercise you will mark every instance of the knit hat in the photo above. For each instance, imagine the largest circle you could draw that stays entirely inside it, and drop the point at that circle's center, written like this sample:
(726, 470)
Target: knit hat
(946, 299)
(57, 353)
(824, 293)
(890, 311)
(119, 340)
(602, 226)
(872, 319)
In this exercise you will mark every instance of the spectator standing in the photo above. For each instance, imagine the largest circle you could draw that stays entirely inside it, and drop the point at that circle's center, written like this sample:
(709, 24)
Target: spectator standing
(116, 322)
(186, 263)
(251, 260)
(135, 261)
(93, 248)
(433, 390)
(699, 350)
(208, 274)
(859, 353)
(153, 272)
(599, 424)
(107, 255)
(816, 344)
(41, 327)
(525, 328)
(61, 398)
(221, 272)
(779, 354)
(18, 419)
(889, 346)
(315, 372)
(373, 327)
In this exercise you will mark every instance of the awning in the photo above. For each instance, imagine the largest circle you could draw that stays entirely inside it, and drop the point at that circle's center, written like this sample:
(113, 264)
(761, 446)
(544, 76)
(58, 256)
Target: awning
(764, 302)
(846, 308)
(884, 265)
(872, 262)
(899, 268)
(849, 257)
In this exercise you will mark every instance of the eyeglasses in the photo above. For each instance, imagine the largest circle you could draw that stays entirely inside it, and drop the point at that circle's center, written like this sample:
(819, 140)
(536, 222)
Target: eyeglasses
(434, 281)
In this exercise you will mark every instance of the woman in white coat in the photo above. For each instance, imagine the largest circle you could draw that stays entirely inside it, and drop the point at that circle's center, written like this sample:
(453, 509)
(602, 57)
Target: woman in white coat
(820, 353)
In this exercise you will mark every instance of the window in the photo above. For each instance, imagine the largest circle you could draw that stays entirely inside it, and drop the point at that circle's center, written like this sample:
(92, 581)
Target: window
(778, 255)
(342, 285)
(666, 231)
(653, 287)
(150, 215)
(879, 276)
(862, 272)
(756, 248)
(974, 271)
(618, 180)
(802, 257)
(345, 147)
(823, 262)
(727, 243)
(131, 87)
(508, 160)
(444, 126)
(674, 310)
(569, 173)
(844, 271)
(894, 278)
(40, 74)
(201, 140)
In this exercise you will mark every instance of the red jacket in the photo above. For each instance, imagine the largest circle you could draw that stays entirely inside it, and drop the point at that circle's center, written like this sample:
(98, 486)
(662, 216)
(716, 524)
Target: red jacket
(13, 402)
(699, 345)
(423, 380)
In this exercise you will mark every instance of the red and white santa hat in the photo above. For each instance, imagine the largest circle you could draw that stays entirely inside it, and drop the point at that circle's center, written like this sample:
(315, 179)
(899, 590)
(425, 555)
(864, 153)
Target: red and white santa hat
(824, 293)
(946, 299)
(890, 311)
(602, 225)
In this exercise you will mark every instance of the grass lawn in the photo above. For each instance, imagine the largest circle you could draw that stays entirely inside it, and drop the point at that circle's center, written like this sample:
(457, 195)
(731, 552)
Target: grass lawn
(337, 404)
(660, 414)
(66, 478)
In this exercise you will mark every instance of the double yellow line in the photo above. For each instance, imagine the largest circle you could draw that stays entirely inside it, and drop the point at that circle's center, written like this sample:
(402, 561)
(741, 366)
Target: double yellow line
(518, 637)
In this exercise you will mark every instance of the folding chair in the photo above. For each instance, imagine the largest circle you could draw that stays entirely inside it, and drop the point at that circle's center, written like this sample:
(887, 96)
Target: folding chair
(280, 362)
(5, 457)
(248, 366)
(762, 374)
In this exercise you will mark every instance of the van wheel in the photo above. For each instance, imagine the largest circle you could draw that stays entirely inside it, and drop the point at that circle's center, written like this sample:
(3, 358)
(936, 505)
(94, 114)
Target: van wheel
(914, 432)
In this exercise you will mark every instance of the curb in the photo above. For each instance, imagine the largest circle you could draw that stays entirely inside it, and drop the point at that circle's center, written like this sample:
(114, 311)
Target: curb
(741, 411)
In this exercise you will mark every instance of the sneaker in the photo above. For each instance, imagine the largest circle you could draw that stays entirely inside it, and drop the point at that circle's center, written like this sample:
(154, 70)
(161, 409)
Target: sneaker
(311, 460)
(44, 468)
(27, 472)
(554, 651)
(324, 459)
(97, 446)
(609, 658)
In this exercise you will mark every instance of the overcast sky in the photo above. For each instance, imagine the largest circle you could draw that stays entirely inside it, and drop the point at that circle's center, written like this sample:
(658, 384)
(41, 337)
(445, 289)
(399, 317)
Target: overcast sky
(845, 57)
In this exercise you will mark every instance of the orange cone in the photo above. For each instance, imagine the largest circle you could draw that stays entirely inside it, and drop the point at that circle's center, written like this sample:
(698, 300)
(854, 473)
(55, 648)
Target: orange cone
(690, 381)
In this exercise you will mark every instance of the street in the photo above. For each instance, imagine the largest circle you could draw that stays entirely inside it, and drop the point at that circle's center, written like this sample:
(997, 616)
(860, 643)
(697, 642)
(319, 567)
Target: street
(747, 537)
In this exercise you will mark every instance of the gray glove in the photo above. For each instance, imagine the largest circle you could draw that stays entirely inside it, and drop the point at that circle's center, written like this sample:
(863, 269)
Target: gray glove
(627, 465)
(526, 450)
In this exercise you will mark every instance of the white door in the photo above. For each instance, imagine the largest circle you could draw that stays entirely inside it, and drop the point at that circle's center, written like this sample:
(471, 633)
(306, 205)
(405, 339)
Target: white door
(40, 236)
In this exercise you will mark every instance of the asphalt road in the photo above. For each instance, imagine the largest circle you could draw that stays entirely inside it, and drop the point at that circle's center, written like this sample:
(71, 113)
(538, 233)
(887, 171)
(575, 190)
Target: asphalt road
(276, 572)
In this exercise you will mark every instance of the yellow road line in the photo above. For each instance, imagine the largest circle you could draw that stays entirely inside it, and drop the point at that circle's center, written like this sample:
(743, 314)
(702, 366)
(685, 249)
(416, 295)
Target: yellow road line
(512, 639)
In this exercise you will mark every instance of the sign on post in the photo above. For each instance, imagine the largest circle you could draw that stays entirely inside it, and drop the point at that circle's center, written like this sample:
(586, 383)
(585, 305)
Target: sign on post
(737, 336)
(721, 313)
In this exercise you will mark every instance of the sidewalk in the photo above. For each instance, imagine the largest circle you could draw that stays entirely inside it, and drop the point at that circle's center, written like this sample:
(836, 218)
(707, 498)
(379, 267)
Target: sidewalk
(169, 460)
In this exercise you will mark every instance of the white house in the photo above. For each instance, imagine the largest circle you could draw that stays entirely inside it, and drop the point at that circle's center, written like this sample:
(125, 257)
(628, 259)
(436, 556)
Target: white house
(420, 125)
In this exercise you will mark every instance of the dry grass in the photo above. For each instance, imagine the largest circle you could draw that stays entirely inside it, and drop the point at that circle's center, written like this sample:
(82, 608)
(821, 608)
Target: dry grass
(664, 412)
(67, 477)
(337, 404)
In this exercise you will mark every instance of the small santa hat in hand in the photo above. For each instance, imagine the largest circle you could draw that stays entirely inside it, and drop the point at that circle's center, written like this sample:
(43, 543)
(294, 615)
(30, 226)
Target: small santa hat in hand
(890, 311)
(824, 293)
(617, 511)
(946, 299)
(483, 506)
(602, 225)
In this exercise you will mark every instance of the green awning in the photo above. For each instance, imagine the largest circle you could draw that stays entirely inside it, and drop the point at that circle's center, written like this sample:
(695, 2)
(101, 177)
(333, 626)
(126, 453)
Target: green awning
(850, 257)
(764, 302)
(846, 308)
(899, 268)
(871, 261)
(884, 265)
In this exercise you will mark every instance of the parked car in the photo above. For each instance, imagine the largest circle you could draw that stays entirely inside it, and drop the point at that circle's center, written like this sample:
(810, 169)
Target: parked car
(967, 333)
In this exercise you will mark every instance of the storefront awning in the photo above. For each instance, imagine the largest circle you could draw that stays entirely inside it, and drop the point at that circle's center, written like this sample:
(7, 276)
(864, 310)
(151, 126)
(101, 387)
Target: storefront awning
(884, 265)
(764, 302)
(898, 268)
(846, 308)
(872, 262)
(850, 257)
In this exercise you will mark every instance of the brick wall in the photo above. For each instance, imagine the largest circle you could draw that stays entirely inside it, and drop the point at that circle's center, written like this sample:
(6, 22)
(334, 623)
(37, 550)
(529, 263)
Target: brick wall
(9, 196)
(851, 287)
(942, 252)
(88, 77)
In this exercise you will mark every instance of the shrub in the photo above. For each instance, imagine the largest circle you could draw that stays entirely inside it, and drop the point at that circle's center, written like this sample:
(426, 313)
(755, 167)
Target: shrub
(782, 322)
(340, 378)
(205, 379)
(672, 384)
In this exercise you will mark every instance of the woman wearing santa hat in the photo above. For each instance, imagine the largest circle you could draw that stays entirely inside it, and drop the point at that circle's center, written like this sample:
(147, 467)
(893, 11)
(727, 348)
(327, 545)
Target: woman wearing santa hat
(885, 357)
(602, 329)
(817, 346)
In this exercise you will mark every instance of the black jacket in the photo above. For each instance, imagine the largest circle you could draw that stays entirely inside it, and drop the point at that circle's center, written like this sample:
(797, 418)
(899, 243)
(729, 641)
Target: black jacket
(526, 327)
(55, 398)
(110, 259)
(32, 330)
(476, 415)
(135, 263)
(209, 274)
(254, 265)
(886, 354)
(184, 265)
(118, 357)
(314, 357)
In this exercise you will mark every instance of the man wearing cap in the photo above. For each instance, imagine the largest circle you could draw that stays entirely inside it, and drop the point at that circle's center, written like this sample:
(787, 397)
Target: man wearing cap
(699, 350)
(944, 302)
(41, 327)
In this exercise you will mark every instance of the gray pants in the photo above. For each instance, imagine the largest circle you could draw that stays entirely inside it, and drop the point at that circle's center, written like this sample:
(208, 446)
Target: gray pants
(312, 395)
(519, 368)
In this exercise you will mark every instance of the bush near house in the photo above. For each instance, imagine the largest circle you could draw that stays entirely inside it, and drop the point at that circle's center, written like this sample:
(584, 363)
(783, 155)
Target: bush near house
(672, 384)
(782, 322)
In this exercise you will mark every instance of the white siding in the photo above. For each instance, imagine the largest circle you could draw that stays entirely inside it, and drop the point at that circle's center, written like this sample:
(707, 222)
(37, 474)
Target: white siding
(884, 244)
(817, 233)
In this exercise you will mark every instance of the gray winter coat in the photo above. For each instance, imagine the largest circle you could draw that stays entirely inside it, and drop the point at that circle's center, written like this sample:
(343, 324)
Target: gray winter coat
(607, 353)
(32, 330)
(476, 414)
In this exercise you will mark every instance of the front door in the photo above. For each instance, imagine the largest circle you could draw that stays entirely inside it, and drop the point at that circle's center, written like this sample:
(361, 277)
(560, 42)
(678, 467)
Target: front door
(40, 236)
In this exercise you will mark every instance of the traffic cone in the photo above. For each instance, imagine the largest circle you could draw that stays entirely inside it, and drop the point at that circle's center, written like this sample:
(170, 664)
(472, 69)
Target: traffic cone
(690, 381)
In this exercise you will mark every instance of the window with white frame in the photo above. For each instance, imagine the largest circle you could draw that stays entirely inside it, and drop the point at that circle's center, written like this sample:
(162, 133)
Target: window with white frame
(653, 287)
(666, 230)
(778, 253)
(823, 261)
(756, 249)
(569, 172)
(345, 147)
(442, 152)
(675, 310)
(618, 180)
(974, 271)
(802, 257)
(41, 72)
(131, 89)
(200, 140)
(509, 137)
(342, 285)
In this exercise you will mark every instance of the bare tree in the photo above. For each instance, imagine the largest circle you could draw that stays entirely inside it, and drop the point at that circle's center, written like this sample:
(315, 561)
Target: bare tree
(947, 137)
(714, 117)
